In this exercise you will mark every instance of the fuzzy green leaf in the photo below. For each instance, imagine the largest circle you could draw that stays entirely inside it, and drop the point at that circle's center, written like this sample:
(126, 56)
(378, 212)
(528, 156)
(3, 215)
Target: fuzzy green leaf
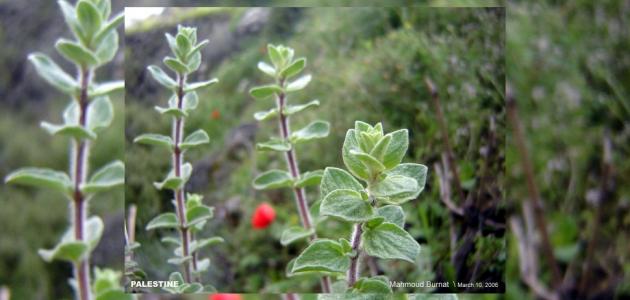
(89, 17)
(53, 74)
(47, 178)
(314, 130)
(336, 179)
(161, 77)
(75, 131)
(392, 214)
(353, 164)
(198, 214)
(179, 260)
(203, 243)
(71, 251)
(173, 182)
(109, 27)
(183, 43)
(190, 87)
(322, 256)
(194, 61)
(295, 233)
(197, 48)
(275, 56)
(192, 288)
(165, 220)
(371, 164)
(93, 231)
(196, 138)
(378, 151)
(106, 88)
(100, 114)
(265, 115)
(299, 83)
(294, 68)
(107, 48)
(347, 205)
(411, 170)
(396, 189)
(154, 139)
(389, 241)
(76, 53)
(293, 109)
(267, 69)
(309, 178)
(371, 286)
(265, 91)
(396, 149)
(202, 266)
(191, 100)
(274, 145)
(70, 16)
(273, 179)
(109, 176)
(175, 65)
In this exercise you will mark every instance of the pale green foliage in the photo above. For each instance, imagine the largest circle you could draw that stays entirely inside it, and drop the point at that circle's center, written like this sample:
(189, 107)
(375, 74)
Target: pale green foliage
(184, 100)
(375, 158)
(96, 44)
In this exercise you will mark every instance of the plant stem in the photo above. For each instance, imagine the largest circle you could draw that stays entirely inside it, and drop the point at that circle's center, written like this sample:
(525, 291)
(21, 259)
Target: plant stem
(300, 195)
(435, 98)
(178, 131)
(534, 196)
(353, 271)
(79, 171)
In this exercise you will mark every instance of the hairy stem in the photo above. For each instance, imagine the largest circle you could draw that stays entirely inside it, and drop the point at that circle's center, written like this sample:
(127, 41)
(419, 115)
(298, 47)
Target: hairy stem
(300, 195)
(534, 196)
(178, 131)
(79, 171)
(353, 271)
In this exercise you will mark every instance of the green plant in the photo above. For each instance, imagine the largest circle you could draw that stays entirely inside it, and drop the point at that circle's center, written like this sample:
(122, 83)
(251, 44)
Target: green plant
(89, 112)
(190, 213)
(374, 208)
(285, 67)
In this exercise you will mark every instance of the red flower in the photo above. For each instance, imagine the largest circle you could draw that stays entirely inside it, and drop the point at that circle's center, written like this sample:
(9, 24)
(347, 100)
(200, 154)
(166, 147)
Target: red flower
(216, 114)
(263, 216)
(225, 297)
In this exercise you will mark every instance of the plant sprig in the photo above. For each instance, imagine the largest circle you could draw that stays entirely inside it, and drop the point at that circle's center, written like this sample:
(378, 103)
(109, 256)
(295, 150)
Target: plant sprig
(190, 213)
(87, 114)
(283, 68)
(373, 207)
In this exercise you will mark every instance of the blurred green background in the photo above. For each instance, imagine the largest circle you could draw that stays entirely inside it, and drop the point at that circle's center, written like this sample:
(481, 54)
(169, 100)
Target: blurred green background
(367, 64)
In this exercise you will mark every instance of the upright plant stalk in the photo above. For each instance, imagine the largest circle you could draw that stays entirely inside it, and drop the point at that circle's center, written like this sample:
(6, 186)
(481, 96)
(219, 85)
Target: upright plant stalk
(190, 214)
(89, 112)
(534, 199)
(373, 209)
(283, 67)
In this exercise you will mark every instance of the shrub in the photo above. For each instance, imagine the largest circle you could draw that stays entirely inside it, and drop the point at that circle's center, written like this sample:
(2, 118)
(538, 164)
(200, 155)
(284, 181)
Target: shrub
(373, 207)
(284, 67)
(88, 113)
(190, 213)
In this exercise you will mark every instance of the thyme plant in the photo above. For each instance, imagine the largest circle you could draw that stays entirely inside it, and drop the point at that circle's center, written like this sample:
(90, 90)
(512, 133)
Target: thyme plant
(88, 112)
(190, 213)
(283, 67)
(372, 205)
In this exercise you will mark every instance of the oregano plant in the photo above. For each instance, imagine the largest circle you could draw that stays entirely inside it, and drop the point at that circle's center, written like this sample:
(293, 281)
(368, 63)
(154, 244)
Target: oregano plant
(283, 68)
(369, 195)
(88, 113)
(190, 214)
